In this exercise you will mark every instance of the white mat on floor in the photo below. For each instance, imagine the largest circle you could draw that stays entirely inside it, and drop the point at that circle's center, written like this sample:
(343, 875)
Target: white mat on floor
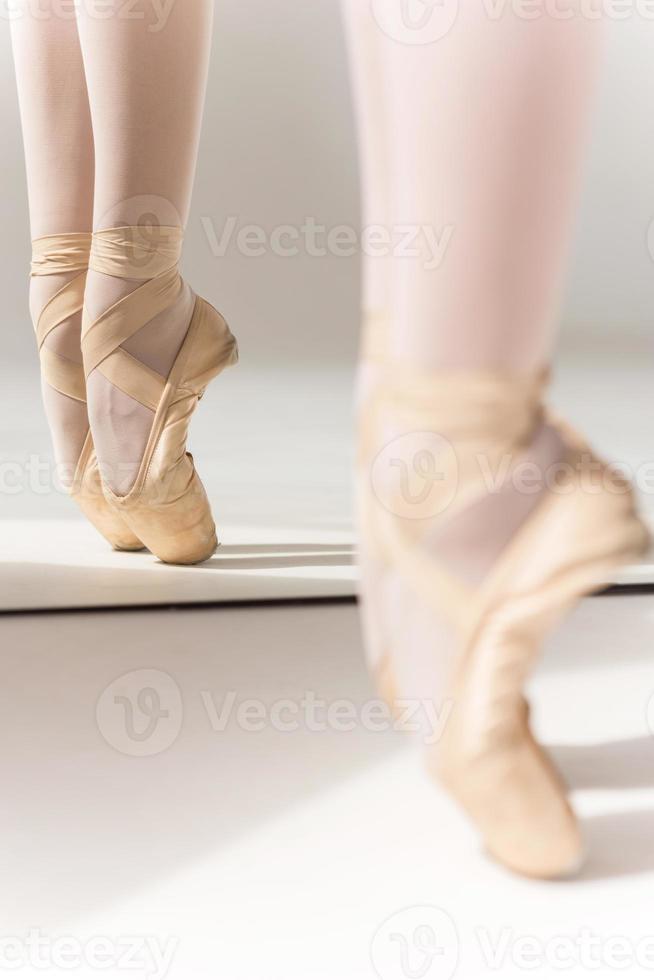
(66, 565)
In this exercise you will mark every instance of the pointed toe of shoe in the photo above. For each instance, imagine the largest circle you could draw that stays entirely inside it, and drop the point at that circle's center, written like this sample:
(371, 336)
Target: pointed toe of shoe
(551, 852)
(173, 516)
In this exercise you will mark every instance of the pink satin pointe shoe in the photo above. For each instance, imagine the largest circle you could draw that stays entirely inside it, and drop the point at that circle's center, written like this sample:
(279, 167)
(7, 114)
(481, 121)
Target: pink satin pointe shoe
(167, 506)
(482, 639)
(68, 254)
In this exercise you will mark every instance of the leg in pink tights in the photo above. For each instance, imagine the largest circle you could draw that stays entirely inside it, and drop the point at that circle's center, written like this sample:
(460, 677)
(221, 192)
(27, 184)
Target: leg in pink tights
(476, 136)
(59, 159)
(146, 84)
(473, 141)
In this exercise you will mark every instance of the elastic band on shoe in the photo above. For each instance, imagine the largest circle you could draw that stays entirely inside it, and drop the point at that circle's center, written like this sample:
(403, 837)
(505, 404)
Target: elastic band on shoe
(136, 252)
(66, 253)
(55, 254)
(469, 405)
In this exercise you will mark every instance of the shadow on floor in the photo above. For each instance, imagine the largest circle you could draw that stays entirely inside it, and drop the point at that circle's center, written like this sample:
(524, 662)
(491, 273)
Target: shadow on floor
(139, 579)
(286, 549)
(619, 843)
(624, 764)
(316, 559)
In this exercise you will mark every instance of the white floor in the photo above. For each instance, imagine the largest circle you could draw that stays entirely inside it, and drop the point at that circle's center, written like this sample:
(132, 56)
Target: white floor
(173, 792)
(247, 844)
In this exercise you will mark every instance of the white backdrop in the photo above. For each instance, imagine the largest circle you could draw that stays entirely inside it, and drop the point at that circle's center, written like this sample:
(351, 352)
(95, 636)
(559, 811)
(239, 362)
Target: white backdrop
(278, 147)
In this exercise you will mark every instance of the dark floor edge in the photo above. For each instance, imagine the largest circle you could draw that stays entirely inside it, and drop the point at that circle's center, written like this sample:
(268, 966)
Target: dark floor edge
(183, 606)
(640, 589)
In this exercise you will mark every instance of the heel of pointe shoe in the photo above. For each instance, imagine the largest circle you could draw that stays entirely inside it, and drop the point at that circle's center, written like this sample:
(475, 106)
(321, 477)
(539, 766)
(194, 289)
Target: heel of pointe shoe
(582, 533)
(211, 347)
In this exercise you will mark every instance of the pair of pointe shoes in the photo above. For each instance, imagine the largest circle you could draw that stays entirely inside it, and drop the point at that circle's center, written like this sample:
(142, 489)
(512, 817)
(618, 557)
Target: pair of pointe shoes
(166, 510)
(569, 545)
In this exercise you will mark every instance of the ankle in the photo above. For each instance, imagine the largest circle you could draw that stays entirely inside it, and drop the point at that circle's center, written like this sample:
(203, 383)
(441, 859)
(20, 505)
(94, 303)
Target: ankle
(469, 541)
(120, 424)
(65, 337)
(435, 442)
(158, 341)
(121, 428)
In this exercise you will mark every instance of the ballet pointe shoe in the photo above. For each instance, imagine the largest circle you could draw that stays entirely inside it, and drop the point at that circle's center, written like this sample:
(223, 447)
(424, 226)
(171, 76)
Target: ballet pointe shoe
(57, 255)
(583, 527)
(86, 490)
(167, 506)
